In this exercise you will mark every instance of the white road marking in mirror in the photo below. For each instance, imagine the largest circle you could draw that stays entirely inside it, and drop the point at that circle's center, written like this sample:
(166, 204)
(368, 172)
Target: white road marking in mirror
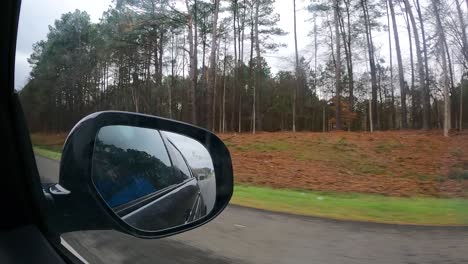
(241, 226)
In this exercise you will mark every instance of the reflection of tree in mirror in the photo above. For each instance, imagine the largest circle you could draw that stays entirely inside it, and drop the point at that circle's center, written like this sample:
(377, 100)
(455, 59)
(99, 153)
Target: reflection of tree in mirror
(123, 175)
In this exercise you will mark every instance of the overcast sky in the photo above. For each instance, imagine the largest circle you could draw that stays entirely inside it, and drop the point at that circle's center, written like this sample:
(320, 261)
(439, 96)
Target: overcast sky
(36, 16)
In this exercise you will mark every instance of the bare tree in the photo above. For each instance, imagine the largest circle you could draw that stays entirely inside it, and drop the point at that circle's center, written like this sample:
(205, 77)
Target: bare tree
(347, 40)
(461, 104)
(297, 70)
(465, 54)
(461, 20)
(446, 82)
(412, 87)
(421, 72)
(172, 86)
(235, 11)
(425, 88)
(251, 61)
(241, 58)
(212, 71)
(392, 88)
(370, 49)
(223, 113)
(193, 59)
(337, 65)
(401, 74)
(258, 67)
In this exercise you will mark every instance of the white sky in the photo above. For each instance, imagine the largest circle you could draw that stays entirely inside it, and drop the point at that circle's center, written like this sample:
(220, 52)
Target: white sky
(36, 16)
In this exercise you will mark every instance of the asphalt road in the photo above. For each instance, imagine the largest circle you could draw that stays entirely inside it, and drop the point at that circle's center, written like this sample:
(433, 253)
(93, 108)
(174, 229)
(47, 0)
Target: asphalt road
(241, 235)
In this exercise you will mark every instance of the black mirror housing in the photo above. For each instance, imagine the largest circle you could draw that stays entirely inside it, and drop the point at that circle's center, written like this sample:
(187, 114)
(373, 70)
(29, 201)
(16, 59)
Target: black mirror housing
(84, 209)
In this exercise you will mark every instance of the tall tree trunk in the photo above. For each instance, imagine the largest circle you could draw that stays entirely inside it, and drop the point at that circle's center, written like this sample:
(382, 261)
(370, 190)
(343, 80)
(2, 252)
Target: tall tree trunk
(421, 72)
(156, 69)
(460, 126)
(401, 74)
(315, 52)
(450, 71)
(204, 104)
(235, 86)
(212, 72)
(461, 20)
(425, 88)
(238, 33)
(324, 128)
(204, 79)
(379, 91)
(347, 55)
(204, 72)
(257, 67)
(215, 87)
(171, 87)
(337, 65)
(446, 82)
(161, 54)
(251, 61)
(371, 122)
(243, 29)
(233, 113)
(370, 48)
(193, 61)
(240, 111)
(413, 92)
(296, 88)
(135, 95)
(183, 55)
(241, 59)
(392, 88)
(465, 53)
(223, 114)
(350, 60)
(436, 111)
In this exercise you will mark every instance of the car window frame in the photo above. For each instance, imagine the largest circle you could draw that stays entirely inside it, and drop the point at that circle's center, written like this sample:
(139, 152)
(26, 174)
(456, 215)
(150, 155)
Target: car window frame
(170, 145)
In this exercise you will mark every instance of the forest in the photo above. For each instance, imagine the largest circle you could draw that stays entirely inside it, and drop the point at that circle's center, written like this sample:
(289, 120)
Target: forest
(204, 62)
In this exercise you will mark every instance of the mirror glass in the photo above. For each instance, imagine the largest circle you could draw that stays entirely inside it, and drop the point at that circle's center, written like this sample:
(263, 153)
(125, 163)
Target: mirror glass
(153, 180)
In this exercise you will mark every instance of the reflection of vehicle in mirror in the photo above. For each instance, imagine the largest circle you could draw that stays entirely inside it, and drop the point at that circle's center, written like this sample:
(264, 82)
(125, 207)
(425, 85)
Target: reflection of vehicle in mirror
(144, 176)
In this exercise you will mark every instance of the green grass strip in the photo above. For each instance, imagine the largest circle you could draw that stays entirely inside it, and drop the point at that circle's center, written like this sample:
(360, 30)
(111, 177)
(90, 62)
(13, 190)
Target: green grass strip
(45, 152)
(354, 206)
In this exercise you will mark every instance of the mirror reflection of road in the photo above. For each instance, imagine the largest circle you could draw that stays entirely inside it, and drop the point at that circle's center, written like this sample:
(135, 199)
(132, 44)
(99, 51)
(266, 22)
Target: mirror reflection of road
(241, 235)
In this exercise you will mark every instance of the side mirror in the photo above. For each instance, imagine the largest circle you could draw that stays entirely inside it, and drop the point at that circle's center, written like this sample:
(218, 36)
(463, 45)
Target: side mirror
(147, 176)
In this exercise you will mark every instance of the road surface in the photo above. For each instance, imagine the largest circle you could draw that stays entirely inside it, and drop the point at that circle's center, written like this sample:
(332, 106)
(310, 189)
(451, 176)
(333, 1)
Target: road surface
(242, 235)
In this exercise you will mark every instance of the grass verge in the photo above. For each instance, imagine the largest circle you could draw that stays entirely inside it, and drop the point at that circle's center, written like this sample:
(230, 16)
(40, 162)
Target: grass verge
(343, 206)
(353, 206)
(48, 153)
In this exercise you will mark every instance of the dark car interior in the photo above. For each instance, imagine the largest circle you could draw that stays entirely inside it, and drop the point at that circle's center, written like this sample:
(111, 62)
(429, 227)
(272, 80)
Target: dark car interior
(21, 224)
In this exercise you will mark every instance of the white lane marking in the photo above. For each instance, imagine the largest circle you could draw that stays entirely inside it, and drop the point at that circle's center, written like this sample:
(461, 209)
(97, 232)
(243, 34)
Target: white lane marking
(72, 250)
(241, 226)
